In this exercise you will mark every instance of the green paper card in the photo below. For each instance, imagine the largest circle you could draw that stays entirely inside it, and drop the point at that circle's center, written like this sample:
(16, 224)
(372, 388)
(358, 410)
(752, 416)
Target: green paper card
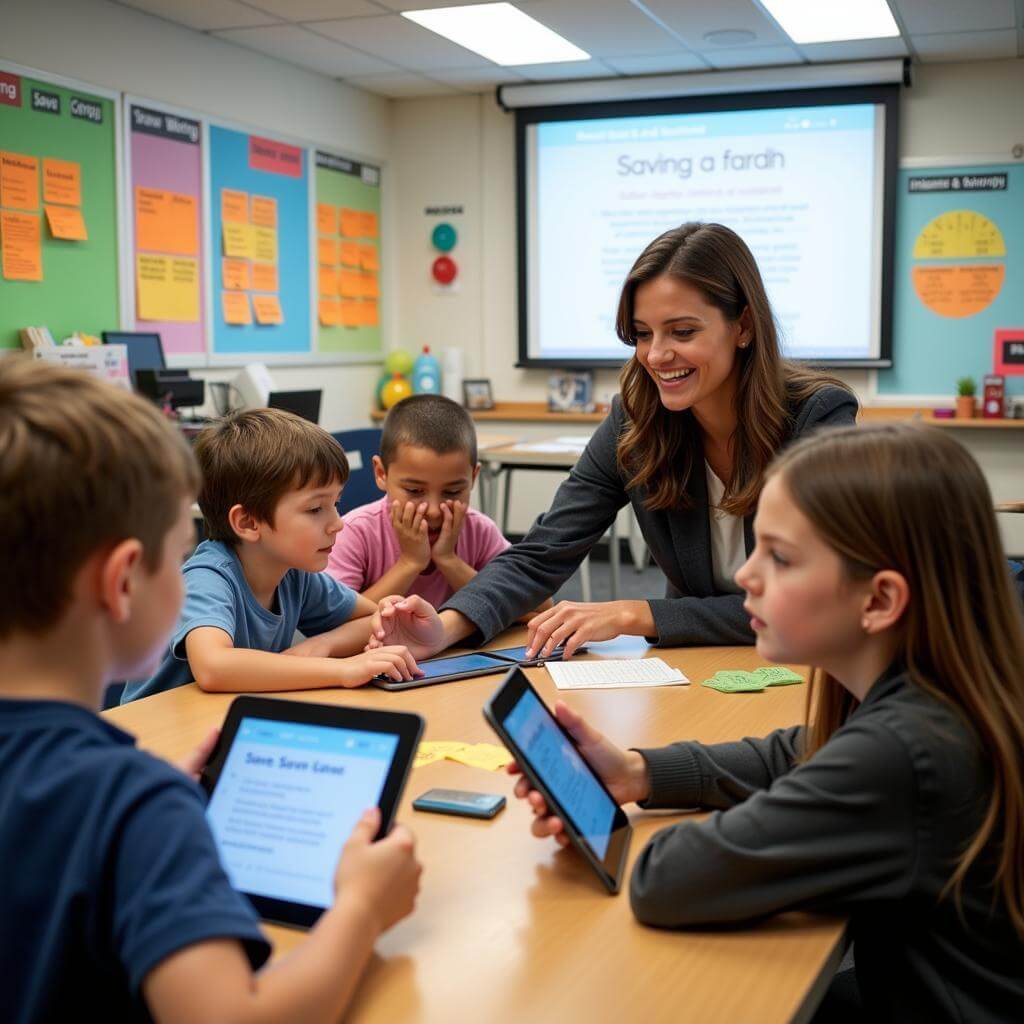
(777, 675)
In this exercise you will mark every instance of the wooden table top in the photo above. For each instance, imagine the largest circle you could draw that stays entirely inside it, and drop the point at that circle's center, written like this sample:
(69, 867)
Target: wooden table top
(511, 929)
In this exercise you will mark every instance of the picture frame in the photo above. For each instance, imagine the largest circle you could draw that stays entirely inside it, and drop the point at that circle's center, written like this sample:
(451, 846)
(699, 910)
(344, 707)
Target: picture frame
(571, 391)
(477, 394)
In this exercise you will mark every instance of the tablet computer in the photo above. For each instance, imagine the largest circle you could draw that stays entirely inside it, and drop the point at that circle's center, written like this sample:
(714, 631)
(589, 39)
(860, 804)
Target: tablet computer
(287, 783)
(594, 822)
(464, 666)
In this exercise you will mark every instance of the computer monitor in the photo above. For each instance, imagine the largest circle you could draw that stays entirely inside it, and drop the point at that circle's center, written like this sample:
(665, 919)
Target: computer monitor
(145, 352)
(303, 403)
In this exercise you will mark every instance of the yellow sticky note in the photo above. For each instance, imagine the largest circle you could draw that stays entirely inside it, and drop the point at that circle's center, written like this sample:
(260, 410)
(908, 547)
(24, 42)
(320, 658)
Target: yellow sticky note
(167, 288)
(21, 239)
(236, 308)
(62, 182)
(264, 277)
(235, 273)
(350, 284)
(234, 206)
(328, 280)
(267, 309)
(349, 254)
(330, 312)
(166, 222)
(66, 222)
(264, 244)
(264, 211)
(368, 257)
(238, 241)
(19, 181)
(351, 223)
(327, 251)
(326, 219)
(488, 756)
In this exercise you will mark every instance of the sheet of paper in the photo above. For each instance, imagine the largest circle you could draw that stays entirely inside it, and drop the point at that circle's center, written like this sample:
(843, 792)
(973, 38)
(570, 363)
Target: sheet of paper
(21, 239)
(351, 223)
(234, 206)
(235, 274)
(327, 251)
(166, 222)
(267, 309)
(610, 675)
(62, 182)
(326, 219)
(66, 222)
(264, 244)
(167, 288)
(19, 181)
(236, 308)
(238, 240)
(368, 257)
(328, 281)
(264, 277)
(349, 254)
(263, 211)
(329, 312)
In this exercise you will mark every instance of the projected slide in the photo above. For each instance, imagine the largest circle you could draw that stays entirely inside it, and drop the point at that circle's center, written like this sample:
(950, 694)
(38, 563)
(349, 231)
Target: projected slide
(802, 186)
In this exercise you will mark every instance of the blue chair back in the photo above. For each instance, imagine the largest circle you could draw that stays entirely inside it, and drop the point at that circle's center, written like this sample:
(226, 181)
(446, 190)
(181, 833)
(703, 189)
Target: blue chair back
(360, 447)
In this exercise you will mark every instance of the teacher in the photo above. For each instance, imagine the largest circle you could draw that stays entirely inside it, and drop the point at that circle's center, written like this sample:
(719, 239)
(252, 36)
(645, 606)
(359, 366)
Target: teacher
(706, 403)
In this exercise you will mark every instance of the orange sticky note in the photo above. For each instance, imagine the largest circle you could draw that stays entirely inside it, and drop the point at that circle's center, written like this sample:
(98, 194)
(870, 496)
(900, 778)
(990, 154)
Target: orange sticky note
(235, 274)
(368, 257)
(326, 219)
(66, 222)
(234, 206)
(368, 224)
(264, 277)
(267, 309)
(369, 313)
(328, 281)
(327, 251)
(371, 290)
(21, 239)
(350, 284)
(166, 222)
(19, 182)
(330, 312)
(236, 308)
(349, 254)
(351, 223)
(351, 315)
(264, 211)
(62, 182)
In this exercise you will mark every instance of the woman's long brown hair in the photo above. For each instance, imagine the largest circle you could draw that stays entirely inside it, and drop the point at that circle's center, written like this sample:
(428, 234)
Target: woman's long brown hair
(911, 499)
(655, 450)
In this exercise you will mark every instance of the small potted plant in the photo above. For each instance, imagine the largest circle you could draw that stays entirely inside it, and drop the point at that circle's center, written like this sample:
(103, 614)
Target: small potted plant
(965, 390)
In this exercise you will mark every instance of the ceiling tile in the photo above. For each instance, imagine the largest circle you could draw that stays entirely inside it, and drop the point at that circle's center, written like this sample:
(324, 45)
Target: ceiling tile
(657, 63)
(959, 46)
(752, 56)
(296, 45)
(204, 14)
(935, 16)
(692, 21)
(402, 86)
(601, 27)
(401, 42)
(477, 79)
(855, 49)
(421, 5)
(565, 70)
(317, 10)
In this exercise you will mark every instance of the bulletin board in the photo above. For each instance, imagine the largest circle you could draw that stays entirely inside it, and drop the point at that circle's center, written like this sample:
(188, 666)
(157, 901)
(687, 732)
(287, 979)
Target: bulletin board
(348, 257)
(165, 213)
(58, 206)
(259, 248)
(959, 273)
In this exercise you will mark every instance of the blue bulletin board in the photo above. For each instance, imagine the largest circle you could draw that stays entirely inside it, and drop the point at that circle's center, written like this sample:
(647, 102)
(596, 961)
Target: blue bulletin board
(959, 275)
(268, 179)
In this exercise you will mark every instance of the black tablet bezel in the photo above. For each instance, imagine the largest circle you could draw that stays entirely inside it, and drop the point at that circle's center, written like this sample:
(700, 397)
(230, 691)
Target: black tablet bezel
(408, 727)
(500, 665)
(610, 868)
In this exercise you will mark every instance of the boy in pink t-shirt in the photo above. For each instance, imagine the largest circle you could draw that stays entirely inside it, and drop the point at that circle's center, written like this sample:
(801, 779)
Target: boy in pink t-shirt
(422, 537)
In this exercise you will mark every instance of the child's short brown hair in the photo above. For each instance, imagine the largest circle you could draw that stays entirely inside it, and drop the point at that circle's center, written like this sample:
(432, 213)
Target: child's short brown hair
(428, 421)
(252, 458)
(82, 466)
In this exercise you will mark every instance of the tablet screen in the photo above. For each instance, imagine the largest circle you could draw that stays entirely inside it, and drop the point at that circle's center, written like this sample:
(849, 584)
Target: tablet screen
(463, 663)
(286, 801)
(562, 769)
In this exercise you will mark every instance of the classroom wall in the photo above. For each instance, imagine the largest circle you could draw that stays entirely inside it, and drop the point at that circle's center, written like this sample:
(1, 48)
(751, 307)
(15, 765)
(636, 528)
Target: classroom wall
(125, 50)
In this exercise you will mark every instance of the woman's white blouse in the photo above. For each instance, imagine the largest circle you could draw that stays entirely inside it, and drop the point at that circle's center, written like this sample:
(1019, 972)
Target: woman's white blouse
(728, 551)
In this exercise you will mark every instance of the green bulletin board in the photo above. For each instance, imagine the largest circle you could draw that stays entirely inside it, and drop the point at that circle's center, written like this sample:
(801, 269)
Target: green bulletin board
(79, 286)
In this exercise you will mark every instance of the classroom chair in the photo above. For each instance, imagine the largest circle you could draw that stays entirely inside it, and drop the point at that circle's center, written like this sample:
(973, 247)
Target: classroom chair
(360, 447)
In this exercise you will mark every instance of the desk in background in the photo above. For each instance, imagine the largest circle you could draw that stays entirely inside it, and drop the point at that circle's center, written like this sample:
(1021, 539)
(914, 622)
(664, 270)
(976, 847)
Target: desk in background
(511, 929)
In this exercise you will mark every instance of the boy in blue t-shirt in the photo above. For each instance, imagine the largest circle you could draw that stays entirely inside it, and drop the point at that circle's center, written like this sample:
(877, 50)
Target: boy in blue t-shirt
(114, 901)
(270, 483)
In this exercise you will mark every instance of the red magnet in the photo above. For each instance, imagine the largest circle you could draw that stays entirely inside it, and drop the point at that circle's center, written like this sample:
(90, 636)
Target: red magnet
(444, 269)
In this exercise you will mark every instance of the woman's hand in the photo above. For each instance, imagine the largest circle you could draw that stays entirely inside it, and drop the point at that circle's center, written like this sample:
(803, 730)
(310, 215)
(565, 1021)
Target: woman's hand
(574, 624)
(624, 772)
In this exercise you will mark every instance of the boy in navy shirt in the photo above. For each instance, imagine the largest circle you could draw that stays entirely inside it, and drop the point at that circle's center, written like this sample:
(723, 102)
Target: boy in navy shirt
(114, 900)
(270, 482)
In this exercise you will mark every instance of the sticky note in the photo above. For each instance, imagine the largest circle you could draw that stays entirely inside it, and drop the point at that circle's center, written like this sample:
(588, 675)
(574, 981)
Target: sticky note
(370, 315)
(328, 281)
(368, 257)
(264, 244)
(263, 211)
(19, 182)
(351, 314)
(727, 681)
(167, 288)
(327, 251)
(235, 273)
(236, 308)
(330, 312)
(238, 240)
(264, 277)
(267, 309)
(349, 254)
(351, 223)
(777, 675)
(350, 284)
(62, 182)
(21, 243)
(367, 224)
(488, 756)
(371, 289)
(234, 206)
(166, 222)
(66, 222)
(326, 219)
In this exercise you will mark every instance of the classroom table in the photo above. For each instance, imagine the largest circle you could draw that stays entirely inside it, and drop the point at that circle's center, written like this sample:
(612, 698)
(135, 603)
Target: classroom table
(509, 928)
